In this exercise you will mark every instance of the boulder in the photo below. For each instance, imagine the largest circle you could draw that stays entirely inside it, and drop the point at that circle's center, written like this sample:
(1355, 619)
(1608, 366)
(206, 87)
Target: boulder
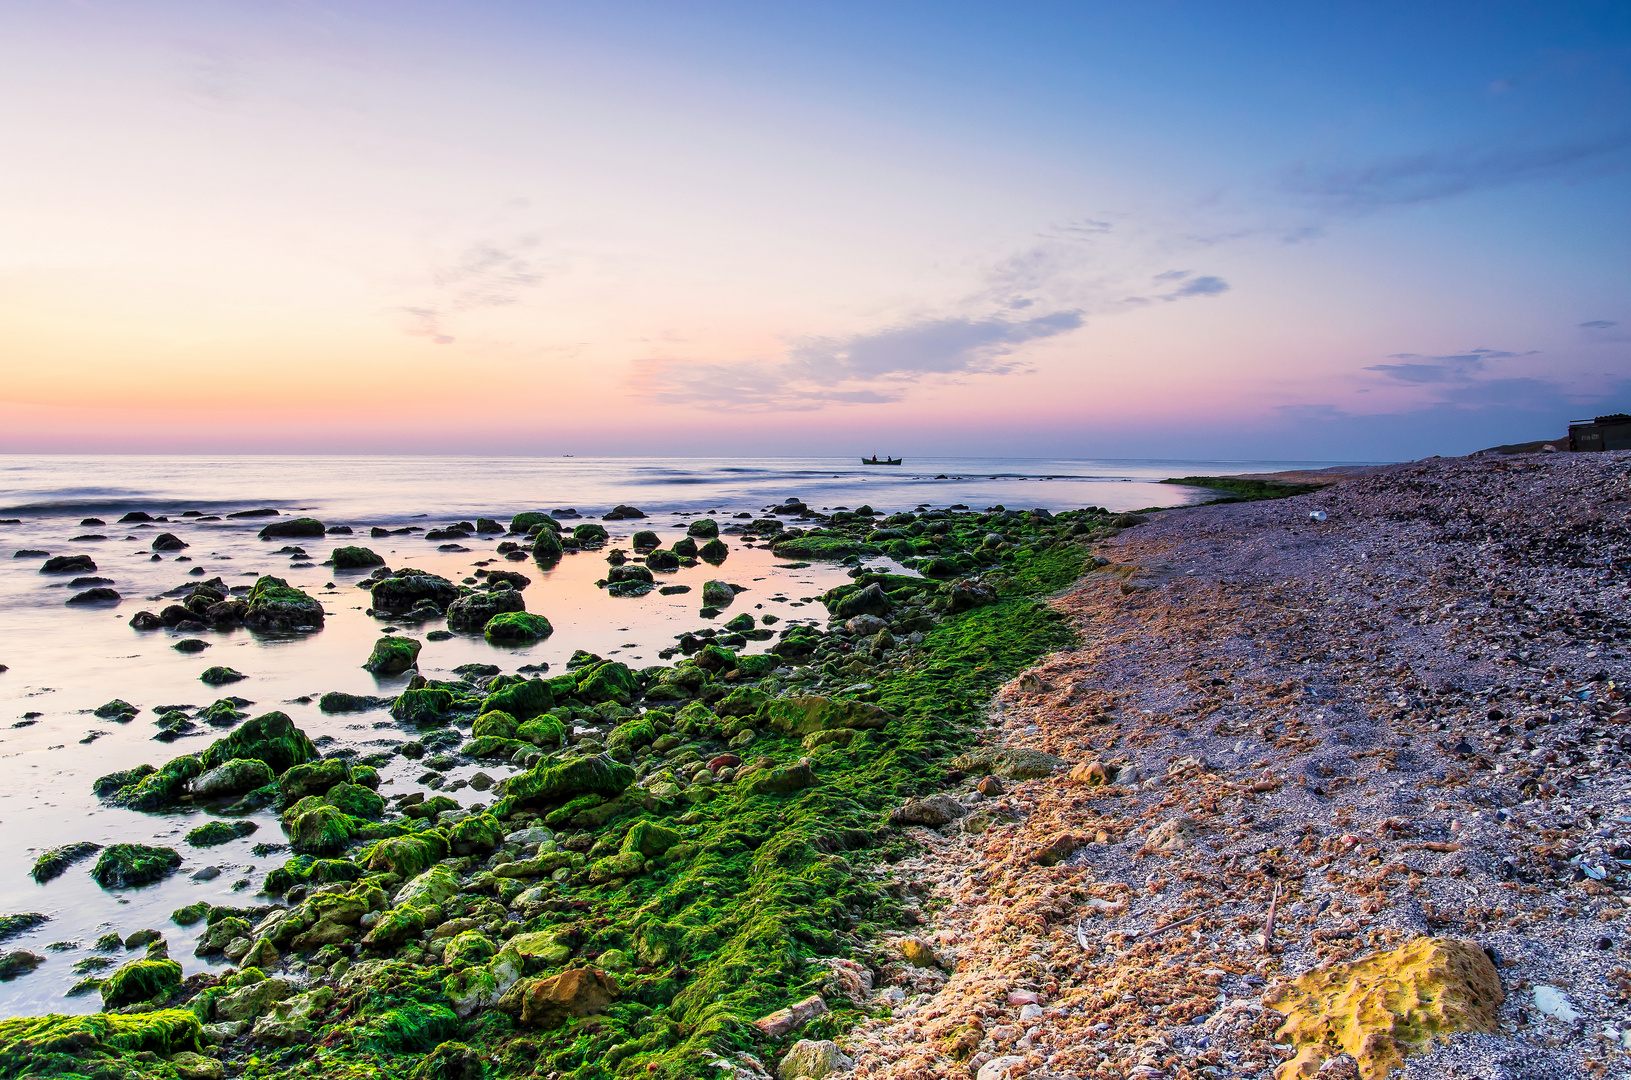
(815, 1060)
(356, 558)
(141, 981)
(393, 654)
(705, 528)
(124, 865)
(270, 737)
(521, 700)
(561, 780)
(69, 564)
(809, 713)
(293, 529)
(516, 628)
(934, 811)
(471, 613)
(717, 594)
(1008, 762)
(662, 560)
(549, 1003)
(783, 1021)
(168, 542)
(1383, 1007)
(407, 589)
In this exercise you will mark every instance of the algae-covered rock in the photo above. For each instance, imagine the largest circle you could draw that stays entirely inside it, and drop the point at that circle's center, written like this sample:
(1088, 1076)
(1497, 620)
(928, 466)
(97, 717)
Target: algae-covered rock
(406, 589)
(29, 1041)
(270, 737)
(717, 594)
(294, 528)
(55, 862)
(779, 781)
(141, 980)
(1008, 762)
(516, 628)
(703, 528)
(1383, 1007)
(356, 800)
(497, 723)
(431, 887)
(475, 835)
(607, 681)
(425, 705)
(356, 558)
(312, 778)
(322, 830)
(549, 1003)
(249, 1003)
(220, 832)
(290, 1021)
(471, 613)
(393, 654)
(649, 840)
(547, 548)
(124, 865)
(810, 713)
(561, 780)
(395, 926)
(523, 523)
(469, 947)
(623, 864)
(274, 604)
(408, 1028)
(522, 700)
(236, 777)
(220, 675)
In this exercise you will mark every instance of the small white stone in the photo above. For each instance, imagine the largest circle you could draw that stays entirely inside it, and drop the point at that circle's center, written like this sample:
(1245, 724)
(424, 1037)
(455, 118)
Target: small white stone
(1029, 1013)
(1552, 1002)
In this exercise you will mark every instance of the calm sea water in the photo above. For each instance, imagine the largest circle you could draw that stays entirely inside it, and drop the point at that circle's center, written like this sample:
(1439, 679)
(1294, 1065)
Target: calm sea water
(65, 661)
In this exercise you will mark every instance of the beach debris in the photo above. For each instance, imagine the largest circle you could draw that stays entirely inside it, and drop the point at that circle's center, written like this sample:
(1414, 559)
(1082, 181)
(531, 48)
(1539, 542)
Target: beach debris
(782, 1021)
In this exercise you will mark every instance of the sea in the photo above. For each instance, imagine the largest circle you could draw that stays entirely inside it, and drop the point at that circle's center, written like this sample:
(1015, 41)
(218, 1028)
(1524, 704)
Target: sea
(60, 662)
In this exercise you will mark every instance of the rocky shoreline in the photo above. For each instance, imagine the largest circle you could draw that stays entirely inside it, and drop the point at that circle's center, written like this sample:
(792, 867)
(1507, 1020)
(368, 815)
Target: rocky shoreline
(669, 866)
(1293, 743)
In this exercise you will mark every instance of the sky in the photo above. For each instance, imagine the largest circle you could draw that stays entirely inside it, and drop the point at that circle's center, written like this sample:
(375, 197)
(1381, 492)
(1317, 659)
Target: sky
(1368, 231)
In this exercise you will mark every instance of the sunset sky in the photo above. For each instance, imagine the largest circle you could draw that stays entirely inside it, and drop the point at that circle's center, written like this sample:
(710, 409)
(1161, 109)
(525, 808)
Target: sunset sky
(1335, 232)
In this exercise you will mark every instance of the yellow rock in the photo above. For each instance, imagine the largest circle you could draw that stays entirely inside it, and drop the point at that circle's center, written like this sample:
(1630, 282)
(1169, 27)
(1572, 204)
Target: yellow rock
(1090, 772)
(918, 953)
(1385, 1006)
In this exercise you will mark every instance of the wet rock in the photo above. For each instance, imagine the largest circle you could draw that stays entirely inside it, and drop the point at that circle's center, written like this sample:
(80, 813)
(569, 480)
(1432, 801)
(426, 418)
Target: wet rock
(169, 542)
(12, 925)
(714, 551)
(704, 528)
(516, 628)
(802, 715)
(356, 558)
(274, 604)
(293, 529)
(934, 811)
(69, 564)
(271, 737)
(100, 595)
(470, 614)
(393, 655)
(221, 675)
(53, 863)
(141, 980)
(337, 701)
(775, 781)
(663, 560)
(868, 601)
(407, 589)
(918, 953)
(125, 865)
(1008, 762)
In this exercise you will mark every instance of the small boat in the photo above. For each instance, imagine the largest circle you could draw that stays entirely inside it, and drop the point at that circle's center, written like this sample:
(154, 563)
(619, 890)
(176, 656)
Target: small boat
(876, 460)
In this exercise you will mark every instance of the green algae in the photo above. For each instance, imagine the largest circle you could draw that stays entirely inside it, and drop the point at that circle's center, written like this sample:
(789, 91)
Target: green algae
(141, 981)
(393, 654)
(271, 737)
(356, 558)
(124, 865)
(219, 832)
(55, 862)
(516, 628)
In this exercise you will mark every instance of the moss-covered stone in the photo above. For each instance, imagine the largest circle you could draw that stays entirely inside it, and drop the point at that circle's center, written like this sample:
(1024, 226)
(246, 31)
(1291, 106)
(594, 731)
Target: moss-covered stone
(607, 681)
(322, 830)
(294, 528)
(523, 523)
(356, 558)
(557, 781)
(141, 980)
(236, 777)
(56, 861)
(220, 832)
(408, 856)
(476, 835)
(495, 722)
(516, 628)
(274, 604)
(271, 737)
(545, 730)
(703, 528)
(522, 700)
(98, 1044)
(805, 714)
(470, 614)
(125, 865)
(406, 589)
(547, 548)
(393, 654)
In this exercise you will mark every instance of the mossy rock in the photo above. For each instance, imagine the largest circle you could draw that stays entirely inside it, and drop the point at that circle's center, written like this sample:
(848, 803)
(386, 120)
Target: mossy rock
(493, 746)
(496, 722)
(661, 560)
(522, 700)
(29, 1042)
(717, 594)
(122, 866)
(221, 675)
(236, 777)
(56, 861)
(685, 548)
(294, 528)
(271, 737)
(631, 735)
(356, 800)
(430, 887)
(322, 830)
(649, 839)
(312, 778)
(818, 547)
(547, 549)
(476, 835)
(422, 706)
(523, 523)
(407, 1028)
(220, 832)
(470, 614)
(1008, 762)
(516, 628)
(545, 730)
(591, 532)
(703, 528)
(141, 980)
(810, 713)
(470, 947)
(406, 589)
(274, 604)
(21, 923)
(356, 558)
(714, 551)
(558, 781)
(408, 856)
(393, 654)
(607, 681)
(192, 914)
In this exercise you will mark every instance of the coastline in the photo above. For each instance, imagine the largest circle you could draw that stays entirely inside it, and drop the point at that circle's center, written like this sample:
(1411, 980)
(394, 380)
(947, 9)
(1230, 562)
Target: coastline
(1408, 717)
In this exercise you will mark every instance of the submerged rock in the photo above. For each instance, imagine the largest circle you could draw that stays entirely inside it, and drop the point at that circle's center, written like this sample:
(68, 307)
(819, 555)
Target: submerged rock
(293, 528)
(274, 604)
(55, 862)
(356, 558)
(125, 865)
(69, 564)
(472, 613)
(236, 777)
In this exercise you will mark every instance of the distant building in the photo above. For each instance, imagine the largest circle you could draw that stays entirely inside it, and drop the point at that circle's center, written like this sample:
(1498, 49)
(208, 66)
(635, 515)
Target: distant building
(1611, 432)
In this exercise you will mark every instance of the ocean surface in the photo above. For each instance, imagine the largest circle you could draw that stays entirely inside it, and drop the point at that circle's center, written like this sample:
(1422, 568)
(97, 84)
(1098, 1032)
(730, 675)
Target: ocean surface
(61, 662)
